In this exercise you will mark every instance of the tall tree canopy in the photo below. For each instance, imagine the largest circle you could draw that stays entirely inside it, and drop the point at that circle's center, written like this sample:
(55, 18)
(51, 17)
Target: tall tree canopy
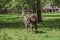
(4, 3)
(56, 3)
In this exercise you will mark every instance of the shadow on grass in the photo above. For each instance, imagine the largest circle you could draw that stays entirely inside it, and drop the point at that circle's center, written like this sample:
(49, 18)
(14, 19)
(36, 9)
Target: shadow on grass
(11, 25)
(40, 32)
(51, 23)
(55, 23)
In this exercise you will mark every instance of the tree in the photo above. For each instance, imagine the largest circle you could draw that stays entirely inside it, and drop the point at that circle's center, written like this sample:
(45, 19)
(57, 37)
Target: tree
(56, 3)
(39, 10)
(36, 6)
(22, 3)
(33, 5)
(4, 4)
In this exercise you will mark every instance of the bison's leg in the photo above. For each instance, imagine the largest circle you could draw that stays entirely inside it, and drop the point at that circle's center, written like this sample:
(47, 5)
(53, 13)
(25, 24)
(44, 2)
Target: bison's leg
(36, 28)
(31, 26)
(26, 28)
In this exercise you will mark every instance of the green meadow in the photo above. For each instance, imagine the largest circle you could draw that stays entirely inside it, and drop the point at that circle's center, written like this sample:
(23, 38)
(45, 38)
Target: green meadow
(12, 28)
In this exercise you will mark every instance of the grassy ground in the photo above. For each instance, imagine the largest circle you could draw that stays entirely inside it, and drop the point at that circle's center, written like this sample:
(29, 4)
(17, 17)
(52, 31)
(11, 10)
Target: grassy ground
(12, 28)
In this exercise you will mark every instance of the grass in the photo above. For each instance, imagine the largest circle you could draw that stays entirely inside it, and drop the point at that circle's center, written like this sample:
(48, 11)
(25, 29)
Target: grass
(12, 28)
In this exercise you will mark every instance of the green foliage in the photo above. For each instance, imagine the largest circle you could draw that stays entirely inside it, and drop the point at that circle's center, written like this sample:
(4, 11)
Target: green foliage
(44, 2)
(56, 3)
(4, 3)
(26, 3)
(12, 3)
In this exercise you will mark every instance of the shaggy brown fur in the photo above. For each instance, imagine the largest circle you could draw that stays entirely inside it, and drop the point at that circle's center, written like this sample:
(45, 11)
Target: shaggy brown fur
(30, 21)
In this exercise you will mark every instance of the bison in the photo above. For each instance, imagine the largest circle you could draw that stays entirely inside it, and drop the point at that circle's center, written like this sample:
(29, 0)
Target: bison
(30, 21)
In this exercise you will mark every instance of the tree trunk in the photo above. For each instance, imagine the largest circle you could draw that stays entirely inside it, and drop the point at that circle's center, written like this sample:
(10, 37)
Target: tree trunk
(18, 13)
(6, 10)
(22, 10)
(34, 8)
(39, 11)
(33, 5)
